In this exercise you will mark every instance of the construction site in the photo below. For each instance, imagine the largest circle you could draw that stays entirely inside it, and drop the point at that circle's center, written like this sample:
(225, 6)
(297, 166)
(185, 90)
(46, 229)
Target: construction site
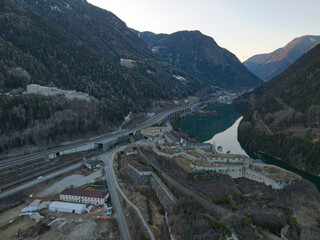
(43, 213)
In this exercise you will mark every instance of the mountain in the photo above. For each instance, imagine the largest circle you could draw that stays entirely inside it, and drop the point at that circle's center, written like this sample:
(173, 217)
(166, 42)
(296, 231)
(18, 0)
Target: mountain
(100, 29)
(267, 66)
(82, 43)
(200, 56)
(282, 115)
(105, 33)
(46, 47)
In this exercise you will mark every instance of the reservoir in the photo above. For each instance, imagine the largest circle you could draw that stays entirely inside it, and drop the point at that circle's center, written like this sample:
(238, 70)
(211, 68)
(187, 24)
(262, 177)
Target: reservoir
(221, 129)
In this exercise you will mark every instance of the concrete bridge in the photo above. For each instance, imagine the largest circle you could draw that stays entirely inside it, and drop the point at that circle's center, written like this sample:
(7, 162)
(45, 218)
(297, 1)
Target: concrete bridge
(182, 112)
(108, 141)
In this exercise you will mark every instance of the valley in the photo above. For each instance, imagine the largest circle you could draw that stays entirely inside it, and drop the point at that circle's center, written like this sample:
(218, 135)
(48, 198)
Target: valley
(143, 120)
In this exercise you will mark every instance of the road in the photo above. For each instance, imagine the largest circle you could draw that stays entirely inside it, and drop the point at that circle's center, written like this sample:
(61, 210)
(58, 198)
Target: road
(107, 136)
(113, 186)
(111, 182)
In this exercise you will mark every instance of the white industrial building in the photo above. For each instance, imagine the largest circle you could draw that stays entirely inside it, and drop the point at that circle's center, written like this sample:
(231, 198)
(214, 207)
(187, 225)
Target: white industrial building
(67, 207)
(84, 196)
(92, 164)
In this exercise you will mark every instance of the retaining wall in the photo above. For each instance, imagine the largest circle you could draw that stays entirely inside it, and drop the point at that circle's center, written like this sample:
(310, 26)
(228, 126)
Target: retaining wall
(86, 147)
(164, 195)
(140, 179)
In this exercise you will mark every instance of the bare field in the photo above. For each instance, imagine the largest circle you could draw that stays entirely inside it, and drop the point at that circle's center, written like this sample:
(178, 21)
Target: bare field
(76, 180)
(62, 225)
(67, 226)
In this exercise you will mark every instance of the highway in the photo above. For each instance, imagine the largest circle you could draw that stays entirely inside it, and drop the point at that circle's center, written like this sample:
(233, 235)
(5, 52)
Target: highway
(36, 181)
(113, 186)
(107, 136)
(110, 176)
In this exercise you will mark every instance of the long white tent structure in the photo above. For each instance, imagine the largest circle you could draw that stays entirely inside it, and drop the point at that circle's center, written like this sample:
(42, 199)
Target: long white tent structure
(67, 207)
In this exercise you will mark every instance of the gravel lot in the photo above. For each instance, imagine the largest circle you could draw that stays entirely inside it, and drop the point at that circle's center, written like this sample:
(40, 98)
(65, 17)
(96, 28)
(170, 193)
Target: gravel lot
(83, 231)
(75, 180)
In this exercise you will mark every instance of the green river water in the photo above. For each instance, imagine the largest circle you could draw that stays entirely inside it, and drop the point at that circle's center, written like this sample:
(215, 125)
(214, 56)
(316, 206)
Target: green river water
(222, 130)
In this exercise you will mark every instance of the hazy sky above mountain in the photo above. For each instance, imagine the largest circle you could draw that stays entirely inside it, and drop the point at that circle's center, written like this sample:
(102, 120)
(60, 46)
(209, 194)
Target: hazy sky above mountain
(245, 27)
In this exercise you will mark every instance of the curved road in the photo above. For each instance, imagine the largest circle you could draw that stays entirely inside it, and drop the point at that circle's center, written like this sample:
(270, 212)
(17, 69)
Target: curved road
(113, 185)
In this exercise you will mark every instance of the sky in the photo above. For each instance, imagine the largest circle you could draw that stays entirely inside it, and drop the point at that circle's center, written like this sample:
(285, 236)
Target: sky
(244, 27)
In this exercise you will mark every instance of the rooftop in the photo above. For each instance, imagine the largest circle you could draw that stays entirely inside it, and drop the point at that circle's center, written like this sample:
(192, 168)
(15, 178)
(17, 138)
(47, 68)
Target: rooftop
(168, 151)
(195, 154)
(92, 162)
(66, 205)
(172, 137)
(226, 155)
(199, 144)
(155, 129)
(84, 193)
(169, 144)
(275, 173)
(216, 164)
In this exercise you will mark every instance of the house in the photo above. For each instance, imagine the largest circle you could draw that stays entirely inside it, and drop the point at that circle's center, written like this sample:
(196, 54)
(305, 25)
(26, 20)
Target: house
(84, 196)
(67, 207)
(91, 164)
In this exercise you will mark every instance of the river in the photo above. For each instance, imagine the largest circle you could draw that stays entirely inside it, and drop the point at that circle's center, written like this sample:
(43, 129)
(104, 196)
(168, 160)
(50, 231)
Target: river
(222, 130)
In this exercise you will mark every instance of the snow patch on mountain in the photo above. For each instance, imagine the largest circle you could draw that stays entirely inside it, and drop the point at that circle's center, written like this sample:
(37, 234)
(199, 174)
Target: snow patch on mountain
(55, 8)
(180, 78)
(312, 39)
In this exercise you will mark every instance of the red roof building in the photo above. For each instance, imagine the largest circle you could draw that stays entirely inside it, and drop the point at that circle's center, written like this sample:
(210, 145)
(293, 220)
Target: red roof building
(84, 196)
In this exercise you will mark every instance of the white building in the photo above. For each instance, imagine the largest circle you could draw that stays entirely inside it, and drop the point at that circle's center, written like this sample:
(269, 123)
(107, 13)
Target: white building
(206, 147)
(67, 207)
(234, 171)
(270, 175)
(92, 164)
(84, 196)
(225, 158)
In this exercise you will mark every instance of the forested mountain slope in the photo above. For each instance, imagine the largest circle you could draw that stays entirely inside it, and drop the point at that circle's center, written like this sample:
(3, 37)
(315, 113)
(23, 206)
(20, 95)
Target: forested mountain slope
(200, 56)
(267, 66)
(282, 115)
(36, 50)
